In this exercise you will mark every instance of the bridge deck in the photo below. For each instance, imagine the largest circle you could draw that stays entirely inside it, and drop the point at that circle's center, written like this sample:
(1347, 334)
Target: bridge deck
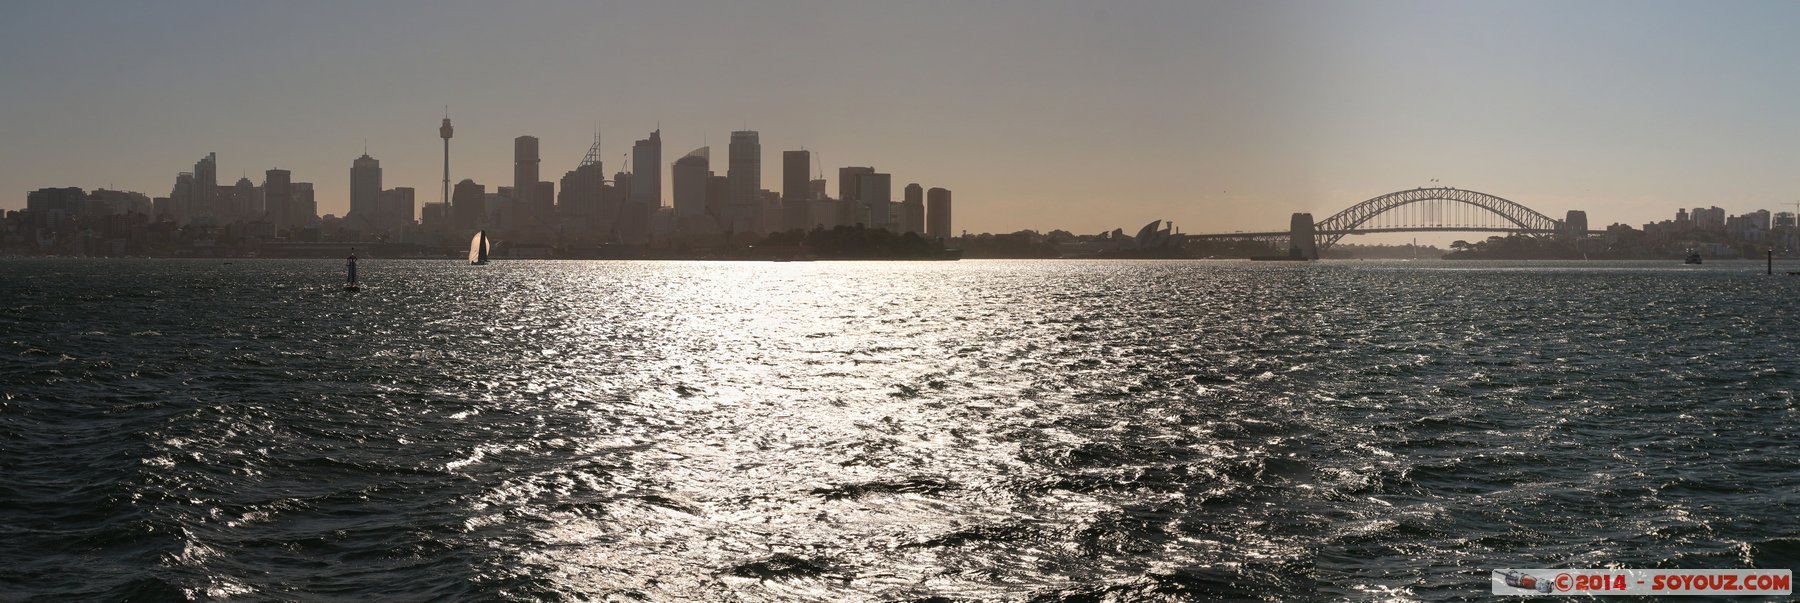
(1360, 231)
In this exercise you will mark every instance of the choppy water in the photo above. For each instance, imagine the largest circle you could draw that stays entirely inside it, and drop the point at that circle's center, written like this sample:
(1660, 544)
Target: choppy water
(968, 431)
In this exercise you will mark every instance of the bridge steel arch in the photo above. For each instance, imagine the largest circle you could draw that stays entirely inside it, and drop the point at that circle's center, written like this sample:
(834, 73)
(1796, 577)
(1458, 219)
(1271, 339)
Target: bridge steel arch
(1329, 230)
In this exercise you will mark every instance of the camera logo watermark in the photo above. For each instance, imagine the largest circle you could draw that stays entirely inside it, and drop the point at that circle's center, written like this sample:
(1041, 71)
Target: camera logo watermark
(1590, 582)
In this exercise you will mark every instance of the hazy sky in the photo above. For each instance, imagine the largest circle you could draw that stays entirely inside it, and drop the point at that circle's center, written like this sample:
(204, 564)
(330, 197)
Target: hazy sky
(1038, 114)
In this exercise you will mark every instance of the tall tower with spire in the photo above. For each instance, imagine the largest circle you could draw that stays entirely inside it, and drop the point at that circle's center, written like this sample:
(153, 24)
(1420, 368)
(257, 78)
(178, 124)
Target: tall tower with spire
(444, 132)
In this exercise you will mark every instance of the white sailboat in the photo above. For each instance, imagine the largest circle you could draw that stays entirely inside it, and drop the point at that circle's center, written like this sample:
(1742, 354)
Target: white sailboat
(478, 248)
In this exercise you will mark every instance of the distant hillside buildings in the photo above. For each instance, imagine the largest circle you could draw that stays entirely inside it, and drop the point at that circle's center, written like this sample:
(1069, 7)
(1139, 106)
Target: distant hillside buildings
(1711, 230)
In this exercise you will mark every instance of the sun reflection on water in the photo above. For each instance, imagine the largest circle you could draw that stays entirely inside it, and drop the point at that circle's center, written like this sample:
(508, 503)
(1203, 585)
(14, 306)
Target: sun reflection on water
(1045, 431)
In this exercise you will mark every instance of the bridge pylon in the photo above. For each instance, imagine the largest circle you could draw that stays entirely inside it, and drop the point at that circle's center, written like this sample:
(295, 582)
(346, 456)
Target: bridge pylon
(1302, 241)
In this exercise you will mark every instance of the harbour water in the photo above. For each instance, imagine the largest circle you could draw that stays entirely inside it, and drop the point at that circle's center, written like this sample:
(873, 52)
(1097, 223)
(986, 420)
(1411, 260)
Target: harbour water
(967, 431)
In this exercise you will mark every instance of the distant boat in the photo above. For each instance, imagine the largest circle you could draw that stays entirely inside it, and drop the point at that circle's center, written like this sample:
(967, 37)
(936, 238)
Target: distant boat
(1693, 257)
(478, 248)
(350, 283)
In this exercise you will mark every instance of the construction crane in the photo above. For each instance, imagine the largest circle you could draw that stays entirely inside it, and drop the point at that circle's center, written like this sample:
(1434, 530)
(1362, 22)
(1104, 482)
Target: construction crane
(593, 152)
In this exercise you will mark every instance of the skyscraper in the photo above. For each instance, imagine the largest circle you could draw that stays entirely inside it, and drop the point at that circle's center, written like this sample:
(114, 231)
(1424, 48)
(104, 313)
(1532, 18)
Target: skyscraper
(744, 172)
(278, 198)
(398, 208)
(525, 179)
(646, 170)
(768, 212)
(613, 205)
(825, 212)
(55, 209)
(718, 199)
(181, 198)
(504, 207)
(877, 193)
(912, 210)
(468, 209)
(119, 203)
(579, 201)
(1710, 218)
(545, 193)
(796, 169)
(796, 189)
(646, 189)
(205, 190)
(848, 187)
(365, 191)
(851, 209)
(244, 202)
(306, 208)
(433, 216)
(497, 209)
(688, 177)
(937, 213)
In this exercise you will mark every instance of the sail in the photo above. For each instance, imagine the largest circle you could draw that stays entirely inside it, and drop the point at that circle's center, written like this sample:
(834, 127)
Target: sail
(478, 248)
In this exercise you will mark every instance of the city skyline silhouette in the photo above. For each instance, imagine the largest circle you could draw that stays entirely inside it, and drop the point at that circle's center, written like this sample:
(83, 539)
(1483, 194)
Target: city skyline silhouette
(1218, 117)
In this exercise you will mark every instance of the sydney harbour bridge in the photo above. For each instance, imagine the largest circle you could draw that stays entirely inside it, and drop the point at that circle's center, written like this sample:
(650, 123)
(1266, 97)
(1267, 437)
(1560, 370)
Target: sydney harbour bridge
(1415, 210)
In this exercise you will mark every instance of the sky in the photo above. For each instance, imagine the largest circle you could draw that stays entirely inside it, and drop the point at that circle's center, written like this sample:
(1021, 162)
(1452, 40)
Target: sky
(1037, 114)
